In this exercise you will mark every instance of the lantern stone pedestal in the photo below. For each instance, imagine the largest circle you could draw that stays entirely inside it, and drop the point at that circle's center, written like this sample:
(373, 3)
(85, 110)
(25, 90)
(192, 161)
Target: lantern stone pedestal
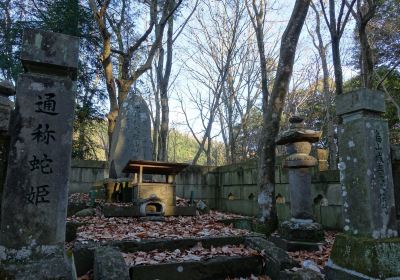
(301, 232)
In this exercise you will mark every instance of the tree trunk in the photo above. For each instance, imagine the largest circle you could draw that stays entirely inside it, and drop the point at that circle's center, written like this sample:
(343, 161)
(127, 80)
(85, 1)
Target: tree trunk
(367, 61)
(164, 82)
(325, 71)
(266, 198)
(337, 65)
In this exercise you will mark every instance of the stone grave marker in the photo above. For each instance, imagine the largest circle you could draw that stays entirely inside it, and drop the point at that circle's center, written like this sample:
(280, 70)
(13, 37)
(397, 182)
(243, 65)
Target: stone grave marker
(35, 196)
(132, 136)
(368, 247)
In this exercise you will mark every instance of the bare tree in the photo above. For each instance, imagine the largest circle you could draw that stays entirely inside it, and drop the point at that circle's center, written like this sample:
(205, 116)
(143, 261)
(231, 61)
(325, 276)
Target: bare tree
(336, 28)
(364, 11)
(273, 102)
(321, 48)
(120, 48)
(214, 37)
(160, 80)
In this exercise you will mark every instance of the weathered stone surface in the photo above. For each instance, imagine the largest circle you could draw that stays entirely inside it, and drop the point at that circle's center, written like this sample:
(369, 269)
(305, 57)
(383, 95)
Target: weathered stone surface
(275, 258)
(34, 206)
(40, 152)
(109, 264)
(365, 168)
(49, 53)
(370, 257)
(132, 135)
(6, 106)
(86, 212)
(311, 232)
(300, 193)
(6, 88)
(50, 264)
(363, 99)
(301, 274)
(218, 268)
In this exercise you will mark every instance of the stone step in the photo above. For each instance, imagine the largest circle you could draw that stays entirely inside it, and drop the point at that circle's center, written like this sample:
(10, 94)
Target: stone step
(272, 261)
(214, 268)
(84, 250)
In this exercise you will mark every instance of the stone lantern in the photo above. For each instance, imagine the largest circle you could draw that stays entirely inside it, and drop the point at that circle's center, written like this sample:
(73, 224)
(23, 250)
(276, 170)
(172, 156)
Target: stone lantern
(301, 232)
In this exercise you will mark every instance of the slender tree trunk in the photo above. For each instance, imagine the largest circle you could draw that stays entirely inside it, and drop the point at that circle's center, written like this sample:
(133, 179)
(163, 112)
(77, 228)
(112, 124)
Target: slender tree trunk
(156, 126)
(164, 82)
(367, 61)
(325, 71)
(337, 65)
(266, 198)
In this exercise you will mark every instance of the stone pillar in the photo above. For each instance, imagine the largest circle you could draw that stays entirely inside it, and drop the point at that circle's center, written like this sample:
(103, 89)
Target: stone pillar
(6, 106)
(368, 247)
(301, 232)
(35, 197)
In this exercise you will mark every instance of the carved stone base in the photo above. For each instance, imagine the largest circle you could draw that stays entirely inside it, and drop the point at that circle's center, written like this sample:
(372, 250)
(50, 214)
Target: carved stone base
(43, 262)
(365, 258)
(306, 231)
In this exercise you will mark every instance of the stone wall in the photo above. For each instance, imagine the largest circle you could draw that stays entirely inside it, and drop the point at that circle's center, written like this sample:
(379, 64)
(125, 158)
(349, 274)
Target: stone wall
(231, 188)
(86, 174)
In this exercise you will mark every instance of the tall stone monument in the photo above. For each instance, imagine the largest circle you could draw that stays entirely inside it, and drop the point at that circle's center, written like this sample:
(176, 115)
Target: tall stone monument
(132, 136)
(302, 232)
(34, 207)
(369, 247)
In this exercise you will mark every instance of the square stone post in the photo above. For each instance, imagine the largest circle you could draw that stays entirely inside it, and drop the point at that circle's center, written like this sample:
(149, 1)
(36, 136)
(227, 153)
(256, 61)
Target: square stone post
(35, 196)
(369, 247)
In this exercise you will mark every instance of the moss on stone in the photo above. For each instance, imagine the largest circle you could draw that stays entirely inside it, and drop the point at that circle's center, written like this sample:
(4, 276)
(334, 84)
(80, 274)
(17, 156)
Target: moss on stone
(379, 258)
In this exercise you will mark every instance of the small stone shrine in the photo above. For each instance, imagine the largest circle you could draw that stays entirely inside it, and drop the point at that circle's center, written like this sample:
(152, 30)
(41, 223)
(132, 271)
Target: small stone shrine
(155, 197)
(132, 136)
(301, 232)
(34, 206)
(368, 249)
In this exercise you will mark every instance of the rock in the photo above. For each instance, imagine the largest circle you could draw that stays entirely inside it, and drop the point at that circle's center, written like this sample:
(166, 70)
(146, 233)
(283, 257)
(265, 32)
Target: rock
(201, 205)
(309, 264)
(86, 212)
(298, 231)
(300, 274)
(109, 264)
(275, 258)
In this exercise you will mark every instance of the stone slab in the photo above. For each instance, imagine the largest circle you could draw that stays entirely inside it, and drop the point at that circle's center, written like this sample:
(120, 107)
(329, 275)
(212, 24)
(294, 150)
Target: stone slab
(39, 162)
(84, 251)
(132, 135)
(109, 265)
(275, 258)
(48, 52)
(292, 246)
(121, 211)
(215, 268)
(363, 99)
(304, 232)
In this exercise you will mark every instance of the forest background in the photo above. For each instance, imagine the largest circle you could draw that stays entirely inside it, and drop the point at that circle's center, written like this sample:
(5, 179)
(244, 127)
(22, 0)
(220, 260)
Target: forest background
(197, 65)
